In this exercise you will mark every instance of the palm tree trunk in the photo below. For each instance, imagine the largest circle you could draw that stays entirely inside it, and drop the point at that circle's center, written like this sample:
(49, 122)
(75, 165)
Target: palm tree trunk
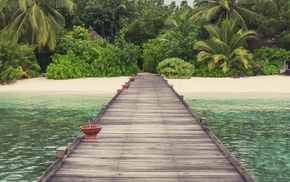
(32, 36)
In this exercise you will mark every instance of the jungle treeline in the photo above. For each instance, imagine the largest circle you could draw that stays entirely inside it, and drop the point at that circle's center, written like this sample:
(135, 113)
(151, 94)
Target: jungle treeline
(95, 38)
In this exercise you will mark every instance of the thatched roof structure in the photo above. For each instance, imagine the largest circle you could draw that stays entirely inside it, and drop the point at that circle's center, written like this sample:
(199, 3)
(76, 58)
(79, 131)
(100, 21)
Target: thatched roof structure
(93, 34)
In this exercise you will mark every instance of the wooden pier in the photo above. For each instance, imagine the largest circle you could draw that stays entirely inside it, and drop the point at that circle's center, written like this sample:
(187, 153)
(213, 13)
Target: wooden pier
(149, 134)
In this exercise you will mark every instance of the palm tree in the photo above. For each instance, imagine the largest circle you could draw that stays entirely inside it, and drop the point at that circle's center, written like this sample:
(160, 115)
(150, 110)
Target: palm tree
(218, 10)
(179, 22)
(40, 18)
(225, 45)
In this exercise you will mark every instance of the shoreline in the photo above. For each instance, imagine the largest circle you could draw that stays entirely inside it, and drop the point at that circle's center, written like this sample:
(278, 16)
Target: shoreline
(257, 86)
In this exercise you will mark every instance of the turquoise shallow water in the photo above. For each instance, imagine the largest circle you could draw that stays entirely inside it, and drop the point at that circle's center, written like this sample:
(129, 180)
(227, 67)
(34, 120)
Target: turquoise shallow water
(33, 125)
(255, 130)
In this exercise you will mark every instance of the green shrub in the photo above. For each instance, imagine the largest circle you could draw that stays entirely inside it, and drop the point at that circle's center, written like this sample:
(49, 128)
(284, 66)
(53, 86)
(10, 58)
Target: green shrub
(268, 60)
(67, 66)
(175, 68)
(270, 70)
(79, 33)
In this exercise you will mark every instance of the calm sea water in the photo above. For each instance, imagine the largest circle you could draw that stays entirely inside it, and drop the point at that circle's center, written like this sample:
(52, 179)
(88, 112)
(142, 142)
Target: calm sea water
(255, 130)
(33, 125)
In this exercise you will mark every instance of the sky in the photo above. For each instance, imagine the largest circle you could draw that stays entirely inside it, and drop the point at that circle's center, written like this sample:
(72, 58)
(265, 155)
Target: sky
(167, 2)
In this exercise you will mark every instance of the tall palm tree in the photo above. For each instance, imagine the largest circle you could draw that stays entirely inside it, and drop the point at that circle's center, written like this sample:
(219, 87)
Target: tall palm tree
(40, 18)
(218, 10)
(225, 44)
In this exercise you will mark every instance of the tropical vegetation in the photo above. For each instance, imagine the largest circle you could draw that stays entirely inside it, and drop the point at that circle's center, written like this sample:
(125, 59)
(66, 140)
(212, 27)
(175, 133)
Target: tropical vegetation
(225, 44)
(17, 61)
(52, 36)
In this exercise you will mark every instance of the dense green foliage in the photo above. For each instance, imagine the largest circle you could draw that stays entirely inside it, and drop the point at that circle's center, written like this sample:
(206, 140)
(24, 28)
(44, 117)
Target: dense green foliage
(175, 68)
(143, 33)
(145, 20)
(77, 57)
(16, 60)
(219, 10)
(167, 46)
(275, 23)
(267, 61)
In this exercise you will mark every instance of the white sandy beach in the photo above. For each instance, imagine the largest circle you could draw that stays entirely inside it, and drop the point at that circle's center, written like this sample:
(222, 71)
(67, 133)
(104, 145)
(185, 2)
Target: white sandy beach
(257, 85)
(42, 84)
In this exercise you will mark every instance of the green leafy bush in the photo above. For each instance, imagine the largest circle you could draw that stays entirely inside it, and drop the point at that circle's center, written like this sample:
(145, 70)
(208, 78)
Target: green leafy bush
(67, 66)
(16, 60)
(79, 33)
(78, 57)
(175, 68)
(270, 70)
(268, 60)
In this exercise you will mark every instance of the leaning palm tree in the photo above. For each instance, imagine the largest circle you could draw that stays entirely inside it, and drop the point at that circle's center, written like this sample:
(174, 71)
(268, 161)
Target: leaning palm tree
(225, 44)
(218, 10)
(40, 18)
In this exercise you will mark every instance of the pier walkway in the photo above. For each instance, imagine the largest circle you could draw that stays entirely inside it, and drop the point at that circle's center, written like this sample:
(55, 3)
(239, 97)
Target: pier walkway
(149, 134)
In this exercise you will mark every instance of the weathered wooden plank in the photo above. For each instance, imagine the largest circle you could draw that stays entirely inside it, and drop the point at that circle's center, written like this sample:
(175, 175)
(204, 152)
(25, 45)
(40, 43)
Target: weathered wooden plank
(136, 179)
(150, 174)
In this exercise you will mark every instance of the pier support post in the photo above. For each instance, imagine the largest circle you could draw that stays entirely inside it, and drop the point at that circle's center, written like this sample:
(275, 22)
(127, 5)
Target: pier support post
(203, 121)
(61, 152)
(104, 107)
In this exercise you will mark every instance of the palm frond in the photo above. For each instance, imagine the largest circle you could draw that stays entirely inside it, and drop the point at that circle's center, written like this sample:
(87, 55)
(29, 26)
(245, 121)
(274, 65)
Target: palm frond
(201, 56)
(225, 5)
(242, 55)
(19, 24)
(54, 14)
(229, 30)
(220, 47)
(204, 46)
(206, 3)
(219, 57)
(225, 66)
(42, 29)
(24, 4)
(34, 16)
(213, 30)
(67, 4)
(249, 15)
(240, 38)
(240, 19)
(212, 12)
